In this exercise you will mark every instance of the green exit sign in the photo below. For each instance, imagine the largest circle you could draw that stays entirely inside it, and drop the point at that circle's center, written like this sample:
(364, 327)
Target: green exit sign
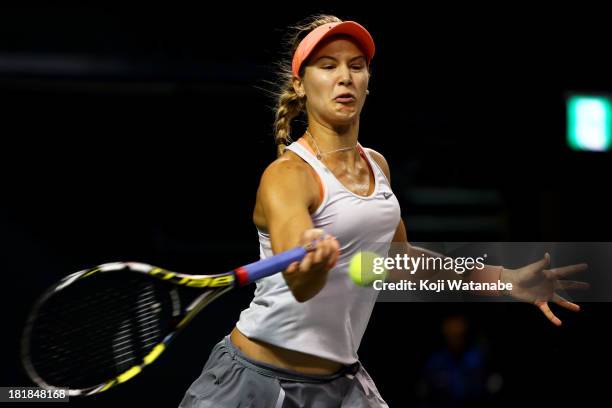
(589, 123)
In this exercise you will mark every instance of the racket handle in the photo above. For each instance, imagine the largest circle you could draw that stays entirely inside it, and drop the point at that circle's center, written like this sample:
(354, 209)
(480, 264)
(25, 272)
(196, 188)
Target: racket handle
(269, 266)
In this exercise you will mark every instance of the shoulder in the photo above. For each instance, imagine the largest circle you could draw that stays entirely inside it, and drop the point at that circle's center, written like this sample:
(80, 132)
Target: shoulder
(380, 160)
(287, 167)
(285, 188)
(288, 174)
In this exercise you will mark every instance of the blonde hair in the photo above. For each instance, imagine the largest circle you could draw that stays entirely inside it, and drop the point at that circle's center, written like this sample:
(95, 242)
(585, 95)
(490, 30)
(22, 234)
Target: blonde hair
(288, 103)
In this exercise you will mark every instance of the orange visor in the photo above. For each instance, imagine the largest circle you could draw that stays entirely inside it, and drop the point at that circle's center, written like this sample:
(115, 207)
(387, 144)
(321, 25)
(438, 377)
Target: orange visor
(350, 28)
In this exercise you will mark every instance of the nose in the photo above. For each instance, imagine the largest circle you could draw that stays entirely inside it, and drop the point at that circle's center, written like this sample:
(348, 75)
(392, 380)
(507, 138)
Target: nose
(345, 76)
(346, 81)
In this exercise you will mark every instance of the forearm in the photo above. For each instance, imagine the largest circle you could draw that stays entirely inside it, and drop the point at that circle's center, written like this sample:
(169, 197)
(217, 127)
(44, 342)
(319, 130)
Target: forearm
(426, 264)
(413, 264)
(423, 264)
(400, 247)
(303, 286)
(305, 278)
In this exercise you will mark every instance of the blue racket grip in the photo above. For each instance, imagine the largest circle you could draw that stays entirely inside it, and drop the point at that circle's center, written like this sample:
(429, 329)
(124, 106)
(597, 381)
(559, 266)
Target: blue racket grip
(269, 266)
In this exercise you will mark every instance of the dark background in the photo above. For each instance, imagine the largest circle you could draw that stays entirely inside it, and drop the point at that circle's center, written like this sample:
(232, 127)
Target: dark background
(141, 134)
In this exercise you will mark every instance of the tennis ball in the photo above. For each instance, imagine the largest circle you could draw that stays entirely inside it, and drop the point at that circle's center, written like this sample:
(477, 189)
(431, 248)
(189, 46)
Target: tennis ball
(362, 266)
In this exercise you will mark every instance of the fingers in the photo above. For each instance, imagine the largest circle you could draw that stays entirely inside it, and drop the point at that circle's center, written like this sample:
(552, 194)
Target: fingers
(542, 263)
(559, 300)
(534, 273)
(320, 252)
(543, 306)
(311, 235)
(335, 253)
(323, 257)
(564, 271)
(330, 253)
(323, 252)
(567, 284)
(565, 303)
(293, 267)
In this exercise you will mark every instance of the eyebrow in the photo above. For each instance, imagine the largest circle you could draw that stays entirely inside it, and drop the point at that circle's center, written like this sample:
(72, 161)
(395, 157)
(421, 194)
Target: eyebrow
(332, 58)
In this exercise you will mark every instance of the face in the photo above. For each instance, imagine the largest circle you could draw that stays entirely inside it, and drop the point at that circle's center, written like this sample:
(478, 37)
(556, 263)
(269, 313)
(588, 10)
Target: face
(335, 82)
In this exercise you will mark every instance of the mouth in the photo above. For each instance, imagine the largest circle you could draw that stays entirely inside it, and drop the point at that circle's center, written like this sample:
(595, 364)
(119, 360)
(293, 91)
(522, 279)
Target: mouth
(345, 98)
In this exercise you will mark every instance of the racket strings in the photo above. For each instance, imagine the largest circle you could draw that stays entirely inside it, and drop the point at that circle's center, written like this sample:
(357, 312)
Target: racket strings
(98, 327)
(86, 345)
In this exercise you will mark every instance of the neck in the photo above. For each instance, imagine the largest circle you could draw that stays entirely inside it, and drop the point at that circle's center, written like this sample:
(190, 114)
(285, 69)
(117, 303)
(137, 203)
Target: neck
(333, 144)
(331, 138)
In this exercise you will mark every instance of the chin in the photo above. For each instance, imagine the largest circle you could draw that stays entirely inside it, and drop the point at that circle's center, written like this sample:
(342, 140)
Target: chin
(346, 119)
(343, 123)
(346, 113)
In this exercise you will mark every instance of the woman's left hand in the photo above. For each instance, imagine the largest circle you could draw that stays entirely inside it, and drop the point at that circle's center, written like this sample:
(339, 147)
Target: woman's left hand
(536, 284)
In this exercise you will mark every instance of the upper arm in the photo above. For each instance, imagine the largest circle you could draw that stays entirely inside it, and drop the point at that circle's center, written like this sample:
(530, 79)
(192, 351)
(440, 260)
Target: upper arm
(285, 194)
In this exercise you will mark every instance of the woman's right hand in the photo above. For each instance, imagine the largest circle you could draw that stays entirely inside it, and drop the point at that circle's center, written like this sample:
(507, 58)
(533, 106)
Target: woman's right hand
(308, 277)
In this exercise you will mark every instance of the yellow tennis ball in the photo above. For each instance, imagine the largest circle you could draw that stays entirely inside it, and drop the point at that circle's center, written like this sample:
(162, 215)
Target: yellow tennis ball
(366, 267)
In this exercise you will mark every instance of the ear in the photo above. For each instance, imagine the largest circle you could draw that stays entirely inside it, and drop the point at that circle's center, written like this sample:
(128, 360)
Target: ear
(298, 86)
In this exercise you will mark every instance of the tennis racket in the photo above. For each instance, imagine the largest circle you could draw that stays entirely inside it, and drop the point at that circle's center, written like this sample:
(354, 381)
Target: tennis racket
(100, 327)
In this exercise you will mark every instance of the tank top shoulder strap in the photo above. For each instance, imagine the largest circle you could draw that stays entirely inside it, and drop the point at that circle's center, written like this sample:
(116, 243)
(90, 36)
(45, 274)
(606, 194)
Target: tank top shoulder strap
(374, 166)
(303, 150)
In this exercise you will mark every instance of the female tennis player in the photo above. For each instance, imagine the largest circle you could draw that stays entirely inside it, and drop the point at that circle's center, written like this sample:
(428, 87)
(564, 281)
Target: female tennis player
(296, 345)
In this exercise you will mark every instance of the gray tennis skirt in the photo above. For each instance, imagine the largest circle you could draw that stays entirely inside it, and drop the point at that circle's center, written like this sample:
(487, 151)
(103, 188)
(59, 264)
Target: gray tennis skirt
(230, 379)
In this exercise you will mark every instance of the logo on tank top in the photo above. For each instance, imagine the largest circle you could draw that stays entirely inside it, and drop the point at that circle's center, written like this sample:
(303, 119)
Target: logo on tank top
(387, 195)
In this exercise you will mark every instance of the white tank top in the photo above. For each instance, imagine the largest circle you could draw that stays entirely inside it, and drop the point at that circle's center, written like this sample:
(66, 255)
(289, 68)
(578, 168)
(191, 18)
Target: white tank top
(331, 324)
